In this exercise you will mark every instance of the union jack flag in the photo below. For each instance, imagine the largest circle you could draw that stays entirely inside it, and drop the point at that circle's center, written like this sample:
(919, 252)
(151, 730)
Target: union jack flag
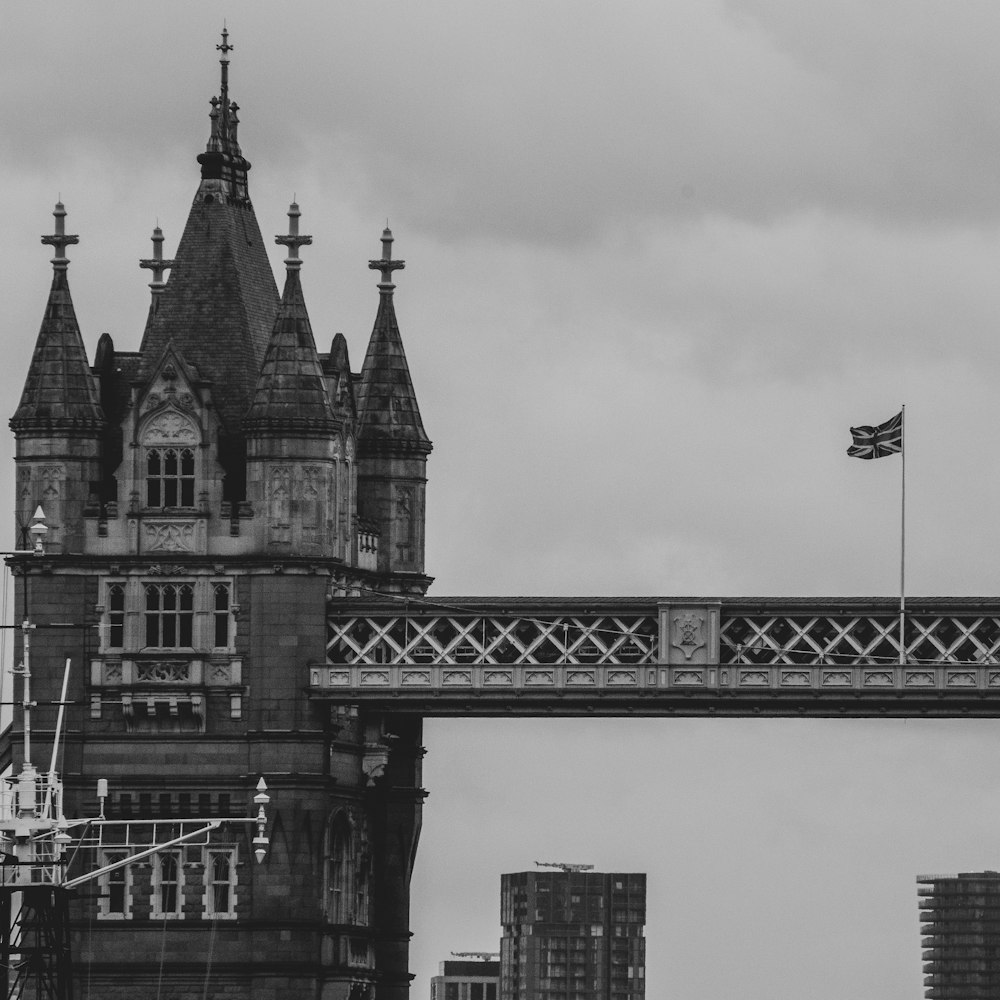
(877, 442)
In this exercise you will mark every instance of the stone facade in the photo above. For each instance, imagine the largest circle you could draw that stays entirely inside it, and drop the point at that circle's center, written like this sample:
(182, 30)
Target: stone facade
(208, 498)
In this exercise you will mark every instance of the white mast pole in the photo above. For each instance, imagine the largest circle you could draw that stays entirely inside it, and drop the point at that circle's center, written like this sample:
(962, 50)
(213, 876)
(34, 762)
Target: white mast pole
(902, 541)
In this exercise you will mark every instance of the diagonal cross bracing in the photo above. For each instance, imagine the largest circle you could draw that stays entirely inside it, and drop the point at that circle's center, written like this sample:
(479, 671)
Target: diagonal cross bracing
(664, 656)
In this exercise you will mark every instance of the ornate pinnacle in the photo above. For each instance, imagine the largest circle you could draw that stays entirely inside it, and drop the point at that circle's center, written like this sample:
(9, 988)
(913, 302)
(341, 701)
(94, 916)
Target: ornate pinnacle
(225, 48)
(59, 239)
(386, 265)
(156, 263)
(293, 240)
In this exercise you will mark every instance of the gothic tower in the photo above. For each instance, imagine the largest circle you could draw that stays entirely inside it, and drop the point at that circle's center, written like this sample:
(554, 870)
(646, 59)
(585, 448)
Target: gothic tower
(392, 444)
(207, 497)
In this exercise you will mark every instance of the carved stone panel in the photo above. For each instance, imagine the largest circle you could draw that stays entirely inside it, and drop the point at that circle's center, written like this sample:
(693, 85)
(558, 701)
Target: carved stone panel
(689, 633)
(168, 536)
(279, 504)
(170, 427)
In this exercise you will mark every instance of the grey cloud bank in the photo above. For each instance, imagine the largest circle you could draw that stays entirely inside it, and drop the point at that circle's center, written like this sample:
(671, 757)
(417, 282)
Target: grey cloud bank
(659, 258)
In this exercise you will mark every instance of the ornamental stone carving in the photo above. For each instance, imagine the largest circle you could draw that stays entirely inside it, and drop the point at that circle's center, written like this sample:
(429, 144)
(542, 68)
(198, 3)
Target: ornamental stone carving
(502, 677)
(837, 678)
(689, 633)
(374, 761)
(168, 536)
(167, 569)
(164, 671)
(170, 427)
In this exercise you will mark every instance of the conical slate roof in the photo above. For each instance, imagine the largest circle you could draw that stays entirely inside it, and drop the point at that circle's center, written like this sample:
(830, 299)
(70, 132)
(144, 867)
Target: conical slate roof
(291, 392)
(388, 414)
(220, 302)
(59, 393)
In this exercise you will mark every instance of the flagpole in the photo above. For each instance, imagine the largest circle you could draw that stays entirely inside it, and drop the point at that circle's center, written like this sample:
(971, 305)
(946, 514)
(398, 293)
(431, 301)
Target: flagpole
(902, 541)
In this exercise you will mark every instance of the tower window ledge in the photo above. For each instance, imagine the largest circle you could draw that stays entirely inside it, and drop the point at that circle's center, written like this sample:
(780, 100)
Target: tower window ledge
(166, 669)
(182, 513)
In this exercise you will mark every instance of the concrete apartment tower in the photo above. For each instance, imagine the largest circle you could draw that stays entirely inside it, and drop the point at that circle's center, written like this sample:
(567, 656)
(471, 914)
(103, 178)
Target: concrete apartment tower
(573, 935)
(466, 979)
(960, 931)
(207, 498)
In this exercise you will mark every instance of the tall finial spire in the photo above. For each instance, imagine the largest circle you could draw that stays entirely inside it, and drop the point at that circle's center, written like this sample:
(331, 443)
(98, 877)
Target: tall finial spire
(156, 263)
(59, 239)
(225, 48)
(386, 265)
(293, 240)
(222, 163)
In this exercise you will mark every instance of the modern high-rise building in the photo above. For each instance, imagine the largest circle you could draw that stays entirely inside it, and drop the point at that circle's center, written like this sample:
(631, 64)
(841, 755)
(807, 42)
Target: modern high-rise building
(466, 979)
(960, 928)
(573, 935)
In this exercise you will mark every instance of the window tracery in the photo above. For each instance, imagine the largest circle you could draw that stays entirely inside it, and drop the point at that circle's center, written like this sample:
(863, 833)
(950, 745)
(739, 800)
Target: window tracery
(170, 477)
(169, 615)
(168, 884)
(220, 882)
(347, 870)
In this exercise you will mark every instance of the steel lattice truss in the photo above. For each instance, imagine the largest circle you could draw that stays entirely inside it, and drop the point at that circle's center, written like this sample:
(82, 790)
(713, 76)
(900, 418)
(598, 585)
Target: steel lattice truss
(460, 639)
(689, 656)
(861, 639)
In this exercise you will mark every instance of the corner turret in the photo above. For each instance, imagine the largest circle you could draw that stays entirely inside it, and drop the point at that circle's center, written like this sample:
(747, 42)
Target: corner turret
(58, 422)
(294, 444)
(392, 444)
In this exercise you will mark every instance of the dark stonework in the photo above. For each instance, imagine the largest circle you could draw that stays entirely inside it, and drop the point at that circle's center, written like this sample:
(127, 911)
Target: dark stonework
(204, 509)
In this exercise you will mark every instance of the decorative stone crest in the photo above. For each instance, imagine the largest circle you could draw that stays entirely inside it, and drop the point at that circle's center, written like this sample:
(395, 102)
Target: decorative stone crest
(689, 633)
(165, 569)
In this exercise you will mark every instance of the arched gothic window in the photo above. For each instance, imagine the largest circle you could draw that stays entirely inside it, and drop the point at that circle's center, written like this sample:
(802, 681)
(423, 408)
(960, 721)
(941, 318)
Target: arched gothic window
(169, 477)
(338, 871)
(168, 883)
(221, 615)
(220, 882)
(169, 615)
(116, 616)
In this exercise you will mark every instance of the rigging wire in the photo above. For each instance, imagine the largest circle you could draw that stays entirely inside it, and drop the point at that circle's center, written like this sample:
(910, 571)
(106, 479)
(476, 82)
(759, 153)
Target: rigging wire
(163, 954)
(211, 950)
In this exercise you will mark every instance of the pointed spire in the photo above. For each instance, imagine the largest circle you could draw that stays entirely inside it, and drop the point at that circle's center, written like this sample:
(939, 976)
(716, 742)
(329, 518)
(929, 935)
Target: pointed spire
(225, 48)
(220, 303)
(156, 263)
(387, 405)
(291, 391)
(223, 168)
(59, 392)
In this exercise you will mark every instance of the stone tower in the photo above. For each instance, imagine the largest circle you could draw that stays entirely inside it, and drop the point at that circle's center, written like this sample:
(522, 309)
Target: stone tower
(207, 497)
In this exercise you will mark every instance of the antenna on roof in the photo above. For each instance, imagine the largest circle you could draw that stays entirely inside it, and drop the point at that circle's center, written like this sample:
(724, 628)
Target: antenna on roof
(565, 866)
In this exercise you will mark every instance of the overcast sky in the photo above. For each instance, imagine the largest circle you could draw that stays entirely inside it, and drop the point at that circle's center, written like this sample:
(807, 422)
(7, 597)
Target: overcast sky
(659, 258)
